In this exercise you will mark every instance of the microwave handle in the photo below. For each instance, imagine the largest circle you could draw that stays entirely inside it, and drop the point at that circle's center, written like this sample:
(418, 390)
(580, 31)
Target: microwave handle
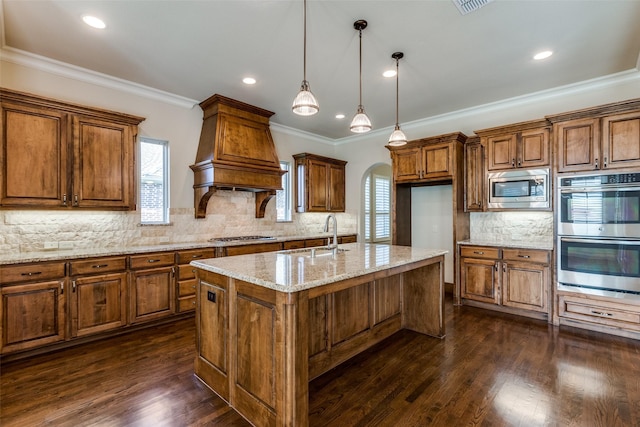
(600, 241)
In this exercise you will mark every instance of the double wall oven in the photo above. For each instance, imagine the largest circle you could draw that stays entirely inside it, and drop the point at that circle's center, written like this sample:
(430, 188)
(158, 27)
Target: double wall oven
(598, 232)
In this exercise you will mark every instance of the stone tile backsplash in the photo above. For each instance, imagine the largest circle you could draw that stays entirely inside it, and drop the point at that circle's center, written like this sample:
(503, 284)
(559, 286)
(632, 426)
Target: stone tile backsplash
(512, 226)
(229, 213)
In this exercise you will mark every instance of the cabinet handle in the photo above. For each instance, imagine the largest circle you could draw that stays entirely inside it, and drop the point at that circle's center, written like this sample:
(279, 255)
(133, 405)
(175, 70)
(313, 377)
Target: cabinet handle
(513, 163)
(75, 200)
(153, 260)
(478, 252)
(61, 288)
(519, 163)
(504, 267)
(596, 163)
(601, 313)
(524, 256)
(495, 266)
(73, 286)
(34, 273)
(604, 165)
(64, 200)
(100, 266)
(196, 256)
(193, 270)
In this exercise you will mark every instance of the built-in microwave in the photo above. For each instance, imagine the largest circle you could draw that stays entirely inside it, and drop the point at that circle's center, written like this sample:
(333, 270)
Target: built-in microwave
(519, 189)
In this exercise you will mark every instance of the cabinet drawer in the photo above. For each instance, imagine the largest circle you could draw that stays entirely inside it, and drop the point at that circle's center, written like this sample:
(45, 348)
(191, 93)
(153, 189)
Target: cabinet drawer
(31, 272)
(186, 288)
(97, 266)
(600, 312)
(316, 242)
(187, 304)
(531, 255)
(293, 244)
(152, 260)
(185, 257)
(479, 252)
(186, 271)
(253, 249)
(348, 239)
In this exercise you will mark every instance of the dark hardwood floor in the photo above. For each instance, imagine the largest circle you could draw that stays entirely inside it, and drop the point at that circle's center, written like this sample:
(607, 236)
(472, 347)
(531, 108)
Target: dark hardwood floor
(491, 370)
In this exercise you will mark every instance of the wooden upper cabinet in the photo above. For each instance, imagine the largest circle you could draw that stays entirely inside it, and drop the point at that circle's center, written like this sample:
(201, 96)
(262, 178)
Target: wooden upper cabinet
(34, 156)
(103, 172)
(474, 175)
(59, 155)
(428, 159)
(520, 145)
(604, 137)
(320, 183)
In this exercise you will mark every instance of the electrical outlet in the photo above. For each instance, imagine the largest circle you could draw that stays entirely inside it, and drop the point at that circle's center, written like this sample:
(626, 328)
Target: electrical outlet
(50, 245)
(65, 245)
(211, 296)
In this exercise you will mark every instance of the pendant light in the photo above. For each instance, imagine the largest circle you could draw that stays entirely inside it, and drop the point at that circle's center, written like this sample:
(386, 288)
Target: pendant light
(305, 103)
(360, 122)
(397, 137)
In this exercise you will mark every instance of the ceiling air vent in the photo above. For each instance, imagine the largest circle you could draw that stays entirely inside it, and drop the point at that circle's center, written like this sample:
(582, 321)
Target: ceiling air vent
(467, 6)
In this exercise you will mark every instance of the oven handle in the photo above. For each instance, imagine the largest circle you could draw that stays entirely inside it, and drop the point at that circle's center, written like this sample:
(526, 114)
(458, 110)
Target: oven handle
(601, 241)
(599, 189)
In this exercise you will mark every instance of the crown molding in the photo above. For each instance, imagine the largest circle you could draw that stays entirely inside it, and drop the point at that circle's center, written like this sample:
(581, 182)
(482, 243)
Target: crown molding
(301, 133)
(59, 68)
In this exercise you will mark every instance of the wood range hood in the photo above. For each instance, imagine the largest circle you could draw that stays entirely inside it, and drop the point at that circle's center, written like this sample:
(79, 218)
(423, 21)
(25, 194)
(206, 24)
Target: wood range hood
(236, 152)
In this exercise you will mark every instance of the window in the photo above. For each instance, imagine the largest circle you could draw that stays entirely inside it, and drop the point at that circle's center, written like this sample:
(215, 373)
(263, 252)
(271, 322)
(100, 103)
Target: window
(283, 197)
(377, 208)
(154, 181)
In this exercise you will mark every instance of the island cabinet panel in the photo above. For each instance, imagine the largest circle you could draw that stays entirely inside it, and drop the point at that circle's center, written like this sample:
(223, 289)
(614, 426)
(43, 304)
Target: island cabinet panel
(387, 298)
(318, 328)
(350, 313)
(423, 306)
(212, 339)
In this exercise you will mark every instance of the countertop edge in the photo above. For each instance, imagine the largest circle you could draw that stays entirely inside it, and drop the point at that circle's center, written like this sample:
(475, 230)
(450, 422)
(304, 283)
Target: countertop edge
(547, 246)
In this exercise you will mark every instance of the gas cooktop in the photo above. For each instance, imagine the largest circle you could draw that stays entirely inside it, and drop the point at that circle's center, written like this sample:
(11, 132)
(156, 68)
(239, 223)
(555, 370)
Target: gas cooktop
(240, 238)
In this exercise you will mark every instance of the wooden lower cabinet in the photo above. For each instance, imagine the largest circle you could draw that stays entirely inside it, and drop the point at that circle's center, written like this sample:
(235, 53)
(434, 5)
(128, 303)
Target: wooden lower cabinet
(151, 290)
(98, 295)
(519, 279)
(609, 313)
(186, 280)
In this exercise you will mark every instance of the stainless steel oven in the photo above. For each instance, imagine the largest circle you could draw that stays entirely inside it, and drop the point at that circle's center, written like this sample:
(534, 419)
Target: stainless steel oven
(604, 205)
(605, 264)
(598, 231)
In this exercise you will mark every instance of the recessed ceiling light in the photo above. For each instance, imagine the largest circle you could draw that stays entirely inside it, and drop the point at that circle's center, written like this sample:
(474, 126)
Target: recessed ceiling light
(94, 22)
(249, 81)
(339, 116)
(389, 73)
(542, 55)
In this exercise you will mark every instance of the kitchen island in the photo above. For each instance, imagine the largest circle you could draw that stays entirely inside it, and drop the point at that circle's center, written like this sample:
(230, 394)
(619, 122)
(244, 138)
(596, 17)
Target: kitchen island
(268, 323)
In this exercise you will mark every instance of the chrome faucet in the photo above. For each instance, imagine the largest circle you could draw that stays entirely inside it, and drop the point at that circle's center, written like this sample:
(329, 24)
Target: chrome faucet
(335, 231)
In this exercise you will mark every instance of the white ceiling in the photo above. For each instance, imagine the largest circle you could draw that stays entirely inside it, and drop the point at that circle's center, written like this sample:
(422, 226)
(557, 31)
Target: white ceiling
(197, 48)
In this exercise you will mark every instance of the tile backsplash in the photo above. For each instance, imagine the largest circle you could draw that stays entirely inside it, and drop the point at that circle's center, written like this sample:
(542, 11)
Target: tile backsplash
(531, 226)
(229, 213)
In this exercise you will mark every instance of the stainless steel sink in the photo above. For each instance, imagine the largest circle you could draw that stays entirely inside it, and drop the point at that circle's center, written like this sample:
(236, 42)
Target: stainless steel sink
(320, 251)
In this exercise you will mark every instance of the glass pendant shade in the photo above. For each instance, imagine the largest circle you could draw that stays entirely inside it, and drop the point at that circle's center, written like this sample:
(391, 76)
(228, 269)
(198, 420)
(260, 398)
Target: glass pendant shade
(360, 122)
(397, 137)
(305, 104)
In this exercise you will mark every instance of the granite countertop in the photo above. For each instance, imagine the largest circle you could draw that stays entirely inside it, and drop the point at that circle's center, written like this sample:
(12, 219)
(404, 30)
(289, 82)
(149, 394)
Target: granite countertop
(64, 254)
(524, 244)
(295, 270)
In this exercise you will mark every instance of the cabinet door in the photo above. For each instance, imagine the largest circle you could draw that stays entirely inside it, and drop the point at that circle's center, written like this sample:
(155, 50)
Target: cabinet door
(32, 315)
(152, 294)
(317, 186)
(407, 164)
(98, 303)
(577, 145)
(474, 177)
(501, 151)
(621, 141)
(34, 157)
(533, 148)
(336, 188)
(525, 285)
(437, 161)
(103, 169)
(480, 280)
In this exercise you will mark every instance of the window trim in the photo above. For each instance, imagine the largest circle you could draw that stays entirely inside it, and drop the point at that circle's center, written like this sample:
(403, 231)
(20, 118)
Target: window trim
(165, 179)
(287, 191)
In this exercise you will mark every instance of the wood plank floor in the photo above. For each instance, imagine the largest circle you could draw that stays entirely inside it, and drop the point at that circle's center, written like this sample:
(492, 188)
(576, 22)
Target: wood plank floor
(492, 369)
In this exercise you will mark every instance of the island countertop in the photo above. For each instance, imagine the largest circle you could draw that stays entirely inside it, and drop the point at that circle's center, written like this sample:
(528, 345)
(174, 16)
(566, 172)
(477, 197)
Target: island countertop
(295, 270)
